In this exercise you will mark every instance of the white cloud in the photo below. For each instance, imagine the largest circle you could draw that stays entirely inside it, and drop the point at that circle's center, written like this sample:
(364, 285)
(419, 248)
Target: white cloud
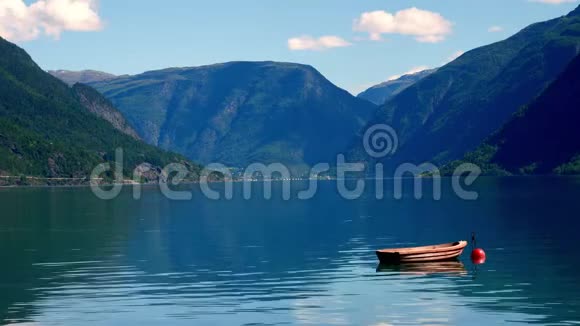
(425, 26)
(309, 43)
(412, 71)
(495, 29)
(553, 2)
(22, 22)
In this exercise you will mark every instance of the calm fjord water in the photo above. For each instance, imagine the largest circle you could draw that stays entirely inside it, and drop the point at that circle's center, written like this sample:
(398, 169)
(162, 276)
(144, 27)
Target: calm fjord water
(68, 258)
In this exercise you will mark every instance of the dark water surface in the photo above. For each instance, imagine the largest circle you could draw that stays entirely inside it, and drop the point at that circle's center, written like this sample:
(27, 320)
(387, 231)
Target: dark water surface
(68, 258)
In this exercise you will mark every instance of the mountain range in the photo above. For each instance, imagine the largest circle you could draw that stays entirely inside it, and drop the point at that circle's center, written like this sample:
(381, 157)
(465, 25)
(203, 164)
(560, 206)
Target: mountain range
(451, 111)
(239, 113)
(508, 106)
(48, 129)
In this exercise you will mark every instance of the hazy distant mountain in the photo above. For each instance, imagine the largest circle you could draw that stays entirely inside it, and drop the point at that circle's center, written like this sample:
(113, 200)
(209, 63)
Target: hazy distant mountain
(93, 101)
(453, 110)
(383, 92)
(83, 77)
(46, 131)
(543, 137)
(241, 112)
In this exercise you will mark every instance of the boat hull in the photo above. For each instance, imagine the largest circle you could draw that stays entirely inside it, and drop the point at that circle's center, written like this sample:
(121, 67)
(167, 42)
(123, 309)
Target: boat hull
(444, 252)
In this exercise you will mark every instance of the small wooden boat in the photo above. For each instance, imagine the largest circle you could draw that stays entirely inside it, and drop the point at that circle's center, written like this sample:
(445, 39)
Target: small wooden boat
(442, 252)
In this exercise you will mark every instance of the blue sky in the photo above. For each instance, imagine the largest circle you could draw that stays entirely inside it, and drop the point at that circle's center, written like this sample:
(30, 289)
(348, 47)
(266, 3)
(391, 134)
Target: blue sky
(130, 36)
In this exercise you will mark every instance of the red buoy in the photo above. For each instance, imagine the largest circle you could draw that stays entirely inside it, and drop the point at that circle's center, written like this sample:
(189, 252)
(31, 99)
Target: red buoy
(478, 256)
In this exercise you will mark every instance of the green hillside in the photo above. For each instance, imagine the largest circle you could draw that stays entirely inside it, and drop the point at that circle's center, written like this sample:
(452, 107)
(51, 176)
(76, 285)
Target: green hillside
(46, 132)
(542, 138)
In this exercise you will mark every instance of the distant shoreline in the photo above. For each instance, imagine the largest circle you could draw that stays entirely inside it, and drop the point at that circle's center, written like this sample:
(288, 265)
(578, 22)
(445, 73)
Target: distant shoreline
(153, 184)
(128, 182)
